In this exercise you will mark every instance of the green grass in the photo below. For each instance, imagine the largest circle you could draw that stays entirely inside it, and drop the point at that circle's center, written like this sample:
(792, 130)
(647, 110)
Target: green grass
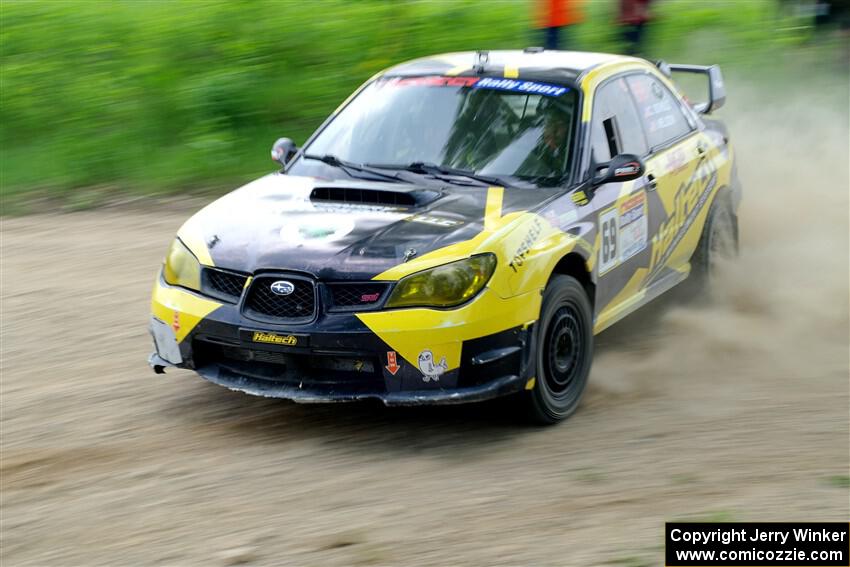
(163, 97)
(839, 481)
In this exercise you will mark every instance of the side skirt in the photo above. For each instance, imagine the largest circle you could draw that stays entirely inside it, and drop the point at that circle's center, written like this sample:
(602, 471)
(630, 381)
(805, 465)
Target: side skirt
(619, 311)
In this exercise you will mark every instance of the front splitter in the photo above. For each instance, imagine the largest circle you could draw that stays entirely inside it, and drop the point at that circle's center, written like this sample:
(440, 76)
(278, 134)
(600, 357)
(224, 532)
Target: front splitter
(309, 394)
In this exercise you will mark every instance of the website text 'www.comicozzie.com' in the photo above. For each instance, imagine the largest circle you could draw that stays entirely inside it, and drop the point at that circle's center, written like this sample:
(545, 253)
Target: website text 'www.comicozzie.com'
(757, 544)
(689, 556)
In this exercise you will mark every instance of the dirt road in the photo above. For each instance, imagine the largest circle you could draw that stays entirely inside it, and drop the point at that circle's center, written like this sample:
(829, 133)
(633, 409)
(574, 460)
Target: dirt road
(733, 411)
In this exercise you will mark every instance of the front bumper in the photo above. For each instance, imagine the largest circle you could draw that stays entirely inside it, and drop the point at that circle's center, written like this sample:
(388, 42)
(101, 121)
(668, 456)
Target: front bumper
(312, 394)
(339, 358)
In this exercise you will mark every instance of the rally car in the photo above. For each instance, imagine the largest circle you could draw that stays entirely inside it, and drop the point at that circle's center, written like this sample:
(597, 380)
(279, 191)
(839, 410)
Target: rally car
(459, 229)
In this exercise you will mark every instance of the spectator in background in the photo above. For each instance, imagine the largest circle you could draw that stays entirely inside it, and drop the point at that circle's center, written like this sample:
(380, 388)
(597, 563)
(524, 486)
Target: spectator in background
(829, 12)
(634, 15)
(554, 17)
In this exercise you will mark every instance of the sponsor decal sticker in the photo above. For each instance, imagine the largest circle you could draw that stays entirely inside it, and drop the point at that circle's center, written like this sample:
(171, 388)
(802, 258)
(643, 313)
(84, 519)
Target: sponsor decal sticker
(274, 339)
(522, 251)
(623, 230)
(436, 81)
(434, 220)
(392, 362)
(630, 168)
(513, 85)
(687, 204)
(608, 250)
(175, 323)
(431, 370)
(656, 108)
(661, 122)
(632, 228)
(324, 228)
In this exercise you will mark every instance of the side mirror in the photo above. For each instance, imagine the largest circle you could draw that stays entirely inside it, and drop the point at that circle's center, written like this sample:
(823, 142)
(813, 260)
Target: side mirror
(283, 150)
(716, 91)
(622, 167)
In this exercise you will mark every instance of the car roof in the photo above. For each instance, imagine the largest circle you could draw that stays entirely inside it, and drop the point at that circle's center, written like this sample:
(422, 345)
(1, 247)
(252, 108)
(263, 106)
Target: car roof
(531, 63)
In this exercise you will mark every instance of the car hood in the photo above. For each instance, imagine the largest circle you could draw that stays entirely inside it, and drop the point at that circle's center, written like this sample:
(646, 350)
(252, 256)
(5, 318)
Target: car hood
(341, 230)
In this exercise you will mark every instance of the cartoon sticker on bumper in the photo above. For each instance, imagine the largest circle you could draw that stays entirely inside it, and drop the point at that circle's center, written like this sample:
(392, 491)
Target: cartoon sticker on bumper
(430, 370)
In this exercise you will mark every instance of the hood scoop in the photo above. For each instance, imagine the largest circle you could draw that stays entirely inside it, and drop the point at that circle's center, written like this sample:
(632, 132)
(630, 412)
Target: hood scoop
(415, 197)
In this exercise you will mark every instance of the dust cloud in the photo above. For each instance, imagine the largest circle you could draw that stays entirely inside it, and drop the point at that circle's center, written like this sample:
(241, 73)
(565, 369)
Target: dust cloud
(780, 309)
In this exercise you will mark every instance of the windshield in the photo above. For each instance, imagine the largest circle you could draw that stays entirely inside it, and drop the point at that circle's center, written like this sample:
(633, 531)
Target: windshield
(517, 130)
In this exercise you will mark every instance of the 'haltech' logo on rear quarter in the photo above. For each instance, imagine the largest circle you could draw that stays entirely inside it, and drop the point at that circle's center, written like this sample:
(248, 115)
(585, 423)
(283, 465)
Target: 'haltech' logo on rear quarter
(287, 340)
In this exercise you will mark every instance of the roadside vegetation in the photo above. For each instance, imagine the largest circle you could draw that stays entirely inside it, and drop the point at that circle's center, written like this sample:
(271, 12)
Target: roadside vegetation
(174, 97)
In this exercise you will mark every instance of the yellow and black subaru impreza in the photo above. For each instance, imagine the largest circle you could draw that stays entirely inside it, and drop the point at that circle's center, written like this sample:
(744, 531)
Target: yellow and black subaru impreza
(459, 229)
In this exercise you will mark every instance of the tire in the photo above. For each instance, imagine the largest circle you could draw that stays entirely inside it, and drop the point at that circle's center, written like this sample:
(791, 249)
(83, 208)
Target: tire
(563, 351)
(718, 242)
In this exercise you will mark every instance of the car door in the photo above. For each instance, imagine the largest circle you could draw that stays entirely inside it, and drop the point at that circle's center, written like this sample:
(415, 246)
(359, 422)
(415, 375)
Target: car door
(623, 210)
(676, 172)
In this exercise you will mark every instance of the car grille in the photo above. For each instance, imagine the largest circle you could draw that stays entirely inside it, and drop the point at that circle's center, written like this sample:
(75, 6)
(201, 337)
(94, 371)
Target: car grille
(223, 285)
(265, 305)
(352, 296)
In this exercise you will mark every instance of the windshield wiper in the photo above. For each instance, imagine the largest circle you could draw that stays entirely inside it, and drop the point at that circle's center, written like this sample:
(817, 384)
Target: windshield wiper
(444, 172)
(348, 167)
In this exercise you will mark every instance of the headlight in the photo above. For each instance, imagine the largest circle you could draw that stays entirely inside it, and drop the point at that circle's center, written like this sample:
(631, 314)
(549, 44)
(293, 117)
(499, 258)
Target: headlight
(181, 267)
(444, 286)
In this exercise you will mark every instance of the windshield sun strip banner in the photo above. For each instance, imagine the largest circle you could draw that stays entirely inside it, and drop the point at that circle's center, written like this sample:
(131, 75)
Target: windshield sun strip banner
(512, 85)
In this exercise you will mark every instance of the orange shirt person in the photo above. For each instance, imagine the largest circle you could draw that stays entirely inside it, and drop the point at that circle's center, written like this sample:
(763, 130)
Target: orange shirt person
(554, 17)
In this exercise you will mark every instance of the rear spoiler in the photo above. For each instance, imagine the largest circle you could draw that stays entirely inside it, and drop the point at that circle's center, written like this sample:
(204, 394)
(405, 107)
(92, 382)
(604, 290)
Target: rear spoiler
(716, 87)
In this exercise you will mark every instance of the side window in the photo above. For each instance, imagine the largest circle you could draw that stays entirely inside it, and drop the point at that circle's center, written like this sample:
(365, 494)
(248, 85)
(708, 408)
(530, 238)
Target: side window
(615, 127)
(660, 111)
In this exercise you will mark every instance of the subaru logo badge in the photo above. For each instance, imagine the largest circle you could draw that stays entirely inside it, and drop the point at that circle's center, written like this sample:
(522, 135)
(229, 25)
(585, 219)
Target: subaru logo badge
(282, 287)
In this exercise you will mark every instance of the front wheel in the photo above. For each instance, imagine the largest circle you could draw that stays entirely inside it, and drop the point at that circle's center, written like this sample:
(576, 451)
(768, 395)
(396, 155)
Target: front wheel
(564, 351)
